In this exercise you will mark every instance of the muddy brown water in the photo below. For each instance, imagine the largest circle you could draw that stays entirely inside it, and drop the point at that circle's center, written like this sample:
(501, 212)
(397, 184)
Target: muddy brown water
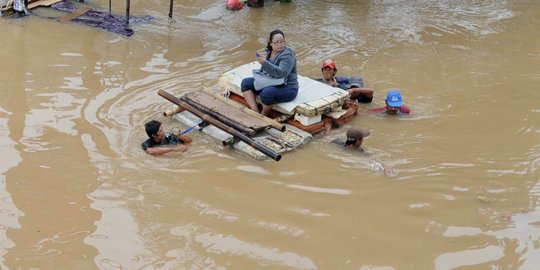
(77, 191)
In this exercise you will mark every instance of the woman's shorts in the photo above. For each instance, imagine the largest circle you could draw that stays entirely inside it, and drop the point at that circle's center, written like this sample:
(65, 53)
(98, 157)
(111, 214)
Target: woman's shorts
(271, 94)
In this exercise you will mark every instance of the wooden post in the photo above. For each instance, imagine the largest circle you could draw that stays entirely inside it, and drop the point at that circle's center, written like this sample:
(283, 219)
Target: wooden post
(170, 9)
(246, 130)
(128, 3)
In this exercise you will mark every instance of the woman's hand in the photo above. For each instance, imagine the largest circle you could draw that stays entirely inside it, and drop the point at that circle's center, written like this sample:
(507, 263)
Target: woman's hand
(260, 59)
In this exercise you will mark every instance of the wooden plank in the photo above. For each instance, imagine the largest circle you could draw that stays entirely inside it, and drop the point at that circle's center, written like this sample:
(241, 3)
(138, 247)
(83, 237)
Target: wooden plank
(78, 12)
(223, 109)
(43, 3)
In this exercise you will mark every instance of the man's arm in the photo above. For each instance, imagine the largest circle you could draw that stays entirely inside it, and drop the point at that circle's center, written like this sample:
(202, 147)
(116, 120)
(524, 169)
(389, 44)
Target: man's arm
(378, 110)
(404, 109)
(156, 151)
(184, 138)
(387, 169)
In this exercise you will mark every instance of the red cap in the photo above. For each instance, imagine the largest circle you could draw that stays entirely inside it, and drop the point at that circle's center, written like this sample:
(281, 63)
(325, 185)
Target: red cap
(329, 63)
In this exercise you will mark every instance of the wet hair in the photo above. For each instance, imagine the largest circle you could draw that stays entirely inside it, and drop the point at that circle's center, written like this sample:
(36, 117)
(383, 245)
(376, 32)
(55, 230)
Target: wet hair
(272, 34)
(152, 128)
(355, 134)
(350, 141)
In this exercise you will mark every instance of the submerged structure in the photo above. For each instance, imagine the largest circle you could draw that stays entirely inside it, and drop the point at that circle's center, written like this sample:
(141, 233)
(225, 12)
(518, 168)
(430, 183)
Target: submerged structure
(76, 12)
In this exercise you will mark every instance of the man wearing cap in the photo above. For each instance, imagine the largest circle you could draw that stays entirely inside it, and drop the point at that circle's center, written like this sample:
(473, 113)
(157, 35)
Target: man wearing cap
(355, 138)
(394, 104)
(355, 85)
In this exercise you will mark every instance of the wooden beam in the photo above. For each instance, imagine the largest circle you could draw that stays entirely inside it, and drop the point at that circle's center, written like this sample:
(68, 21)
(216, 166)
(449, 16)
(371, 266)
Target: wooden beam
(42, 3)
(78, 12)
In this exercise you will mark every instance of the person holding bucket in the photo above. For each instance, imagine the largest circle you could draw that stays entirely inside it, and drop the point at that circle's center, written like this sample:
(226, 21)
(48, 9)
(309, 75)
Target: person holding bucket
(278, 70)
(159, 142)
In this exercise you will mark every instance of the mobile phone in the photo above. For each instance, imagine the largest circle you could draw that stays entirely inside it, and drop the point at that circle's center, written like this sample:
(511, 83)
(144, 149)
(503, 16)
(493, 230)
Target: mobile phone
(257, 54)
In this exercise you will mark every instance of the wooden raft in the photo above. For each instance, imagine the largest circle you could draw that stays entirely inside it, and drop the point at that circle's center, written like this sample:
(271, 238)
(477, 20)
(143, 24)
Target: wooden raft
(225, 110)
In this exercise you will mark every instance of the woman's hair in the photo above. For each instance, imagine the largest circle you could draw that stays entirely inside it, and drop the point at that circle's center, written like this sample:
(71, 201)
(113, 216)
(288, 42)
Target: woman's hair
(272, 34)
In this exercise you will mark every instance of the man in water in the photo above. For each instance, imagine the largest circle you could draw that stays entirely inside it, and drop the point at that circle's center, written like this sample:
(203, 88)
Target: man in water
(354, 141)
(354, 85)
(159, 142)
(394, 104)
(355, 138)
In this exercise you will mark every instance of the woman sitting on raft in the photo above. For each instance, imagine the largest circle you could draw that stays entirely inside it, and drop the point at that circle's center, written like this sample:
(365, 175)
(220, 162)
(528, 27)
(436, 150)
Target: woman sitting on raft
(280, 62)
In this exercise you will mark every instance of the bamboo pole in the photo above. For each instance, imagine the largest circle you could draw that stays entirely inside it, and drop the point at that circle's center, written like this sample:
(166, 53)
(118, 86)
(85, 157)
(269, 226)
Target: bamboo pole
(172, 112)
(242, 128)
(205, 117)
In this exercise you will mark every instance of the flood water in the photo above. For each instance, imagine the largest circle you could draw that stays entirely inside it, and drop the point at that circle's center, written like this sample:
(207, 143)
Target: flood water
(77, 191)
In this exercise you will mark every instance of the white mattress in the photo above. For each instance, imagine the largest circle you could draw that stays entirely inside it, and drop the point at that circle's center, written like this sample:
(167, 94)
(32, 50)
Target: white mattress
(310, 90)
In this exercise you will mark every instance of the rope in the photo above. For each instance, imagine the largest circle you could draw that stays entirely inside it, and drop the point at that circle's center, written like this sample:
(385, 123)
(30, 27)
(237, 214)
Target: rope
(177, 130)
(189, 129)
